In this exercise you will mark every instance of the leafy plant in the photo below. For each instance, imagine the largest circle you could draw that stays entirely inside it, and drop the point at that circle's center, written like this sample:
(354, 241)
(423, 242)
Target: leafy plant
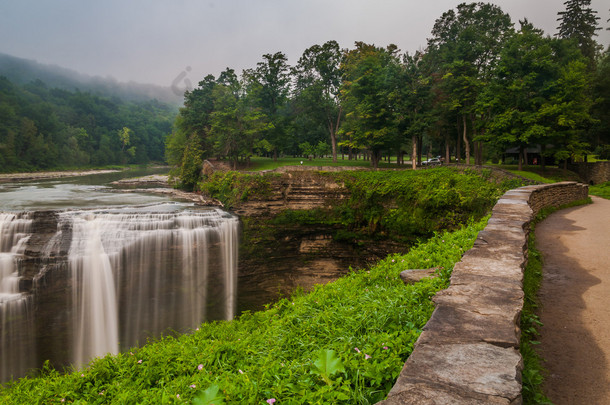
(327, 365)
(209, 397)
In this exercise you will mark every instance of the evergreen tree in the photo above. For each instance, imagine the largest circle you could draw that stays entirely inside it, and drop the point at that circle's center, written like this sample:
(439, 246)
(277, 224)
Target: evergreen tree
(579, 22)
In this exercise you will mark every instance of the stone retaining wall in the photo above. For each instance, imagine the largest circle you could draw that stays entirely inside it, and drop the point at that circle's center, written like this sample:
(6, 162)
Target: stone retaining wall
(592, 173)
(468, 352)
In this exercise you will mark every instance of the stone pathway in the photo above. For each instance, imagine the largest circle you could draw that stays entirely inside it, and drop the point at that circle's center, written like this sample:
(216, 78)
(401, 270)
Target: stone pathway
(575, 299)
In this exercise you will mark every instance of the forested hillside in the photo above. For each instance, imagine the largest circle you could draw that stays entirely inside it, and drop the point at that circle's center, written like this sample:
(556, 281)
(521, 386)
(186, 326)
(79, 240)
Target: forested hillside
(23, 71)
(48, 128)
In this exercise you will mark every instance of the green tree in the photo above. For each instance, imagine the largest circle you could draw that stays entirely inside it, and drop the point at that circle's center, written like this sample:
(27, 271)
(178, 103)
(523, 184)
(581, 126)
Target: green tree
(541, 96)
(579, 22)
(465, 45)
(525, 78)
(601, 93)
(125, 135)
(235, 124)
(317, 81)
(268, 87)
(366, 98)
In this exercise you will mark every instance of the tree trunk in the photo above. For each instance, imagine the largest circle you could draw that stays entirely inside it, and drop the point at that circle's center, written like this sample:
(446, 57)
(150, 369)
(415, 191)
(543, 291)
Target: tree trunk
(333, 128)
(520, 157)
(447, 149)
(375, 156)
(414, 152)
(542, 157)
(458, 148)
(466, 143)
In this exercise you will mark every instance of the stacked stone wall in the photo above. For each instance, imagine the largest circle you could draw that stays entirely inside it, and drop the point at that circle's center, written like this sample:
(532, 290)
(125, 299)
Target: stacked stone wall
(592, 173)
(468, 352)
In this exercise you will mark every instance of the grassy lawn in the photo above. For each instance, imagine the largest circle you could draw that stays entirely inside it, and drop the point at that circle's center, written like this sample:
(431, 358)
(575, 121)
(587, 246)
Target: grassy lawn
(550, 174)
(601, 190)
(263, 163)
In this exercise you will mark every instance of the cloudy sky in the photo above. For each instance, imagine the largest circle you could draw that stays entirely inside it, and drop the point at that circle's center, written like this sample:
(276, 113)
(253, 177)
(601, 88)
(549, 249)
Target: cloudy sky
(154, 41)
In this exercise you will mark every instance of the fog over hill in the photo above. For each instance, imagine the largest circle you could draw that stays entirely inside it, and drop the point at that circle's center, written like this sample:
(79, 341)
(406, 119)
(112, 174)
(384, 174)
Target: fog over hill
(23, 71)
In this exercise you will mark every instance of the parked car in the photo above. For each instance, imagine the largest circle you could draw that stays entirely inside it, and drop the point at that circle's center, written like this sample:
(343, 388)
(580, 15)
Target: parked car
(432, 162)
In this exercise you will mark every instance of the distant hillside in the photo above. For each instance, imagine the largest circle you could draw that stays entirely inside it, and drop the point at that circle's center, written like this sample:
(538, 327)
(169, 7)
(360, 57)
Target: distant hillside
(44, 127)
(24, 71)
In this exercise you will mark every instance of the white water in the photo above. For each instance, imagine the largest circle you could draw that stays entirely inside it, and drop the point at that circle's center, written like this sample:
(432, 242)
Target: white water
(139, 274)
(134, 273)
(16, 322)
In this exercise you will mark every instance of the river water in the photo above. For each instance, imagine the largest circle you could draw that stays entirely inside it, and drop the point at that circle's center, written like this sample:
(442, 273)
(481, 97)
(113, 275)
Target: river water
(75, 192)
(86, 270)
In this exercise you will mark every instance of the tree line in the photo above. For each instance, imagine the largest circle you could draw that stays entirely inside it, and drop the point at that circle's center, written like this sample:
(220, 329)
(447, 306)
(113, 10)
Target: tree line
(481, 86)
(50, 128)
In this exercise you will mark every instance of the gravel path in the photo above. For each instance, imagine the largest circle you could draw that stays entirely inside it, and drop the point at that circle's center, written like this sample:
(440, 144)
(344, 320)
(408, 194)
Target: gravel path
(575, 298)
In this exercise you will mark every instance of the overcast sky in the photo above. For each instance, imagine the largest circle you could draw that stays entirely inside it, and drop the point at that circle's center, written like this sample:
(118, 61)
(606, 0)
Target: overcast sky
(154, 41)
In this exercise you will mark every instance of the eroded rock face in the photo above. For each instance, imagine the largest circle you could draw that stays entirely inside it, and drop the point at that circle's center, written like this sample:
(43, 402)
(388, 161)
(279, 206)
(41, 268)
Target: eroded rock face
(294, 190)
(285, 257)
(276, 258)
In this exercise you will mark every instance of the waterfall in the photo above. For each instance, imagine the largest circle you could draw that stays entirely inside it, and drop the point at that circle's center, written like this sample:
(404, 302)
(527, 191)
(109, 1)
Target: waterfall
(117, 277)
(138, 274)
(16, 321)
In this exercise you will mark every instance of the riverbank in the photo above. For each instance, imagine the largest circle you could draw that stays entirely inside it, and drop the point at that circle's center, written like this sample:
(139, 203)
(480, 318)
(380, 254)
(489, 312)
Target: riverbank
(10, 177)
(159, 184)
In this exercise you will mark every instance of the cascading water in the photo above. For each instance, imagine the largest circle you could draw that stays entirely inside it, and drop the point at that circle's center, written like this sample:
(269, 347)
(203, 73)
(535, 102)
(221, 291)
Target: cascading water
(138, 274)
(16, 322)
(130, 274)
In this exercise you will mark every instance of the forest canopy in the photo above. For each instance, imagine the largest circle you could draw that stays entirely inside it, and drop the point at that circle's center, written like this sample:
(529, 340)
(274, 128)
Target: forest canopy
(481, 86)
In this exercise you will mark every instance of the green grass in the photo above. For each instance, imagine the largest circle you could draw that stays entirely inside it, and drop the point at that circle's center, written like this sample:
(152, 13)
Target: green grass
(345, 342)
(601, 190)
(533, 372)
(548, 175)
(262, 163)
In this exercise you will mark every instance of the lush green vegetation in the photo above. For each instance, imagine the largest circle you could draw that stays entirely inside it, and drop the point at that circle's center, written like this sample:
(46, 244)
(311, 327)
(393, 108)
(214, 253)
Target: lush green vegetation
(480, 88)
(600, 190)
(232, 187)
(417, 203)
(542, 175)
(45, 128)
(345, 342)
(533, 372)
(405, 205)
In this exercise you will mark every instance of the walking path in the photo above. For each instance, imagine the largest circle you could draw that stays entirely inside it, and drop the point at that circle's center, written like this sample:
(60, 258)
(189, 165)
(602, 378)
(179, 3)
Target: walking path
(575, 303)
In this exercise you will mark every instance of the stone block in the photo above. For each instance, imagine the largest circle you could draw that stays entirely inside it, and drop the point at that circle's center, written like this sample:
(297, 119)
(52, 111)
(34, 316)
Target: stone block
(469, 370)
(415, 275)
(451, 324)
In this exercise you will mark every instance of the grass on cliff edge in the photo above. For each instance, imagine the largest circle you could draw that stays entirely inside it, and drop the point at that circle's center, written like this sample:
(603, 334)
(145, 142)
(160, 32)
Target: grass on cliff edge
(345, 342)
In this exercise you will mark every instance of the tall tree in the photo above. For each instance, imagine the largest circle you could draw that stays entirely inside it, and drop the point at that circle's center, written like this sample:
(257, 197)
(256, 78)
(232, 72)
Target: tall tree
(235, 124)
(317, 81)
(525, 78)
(368, 83)
(269, 86)
(466, 45)
(541, 95)
(413, 101)
(580, 23)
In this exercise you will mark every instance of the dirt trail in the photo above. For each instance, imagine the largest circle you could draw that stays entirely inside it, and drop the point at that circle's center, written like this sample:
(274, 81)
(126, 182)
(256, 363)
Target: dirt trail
(575, 298)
